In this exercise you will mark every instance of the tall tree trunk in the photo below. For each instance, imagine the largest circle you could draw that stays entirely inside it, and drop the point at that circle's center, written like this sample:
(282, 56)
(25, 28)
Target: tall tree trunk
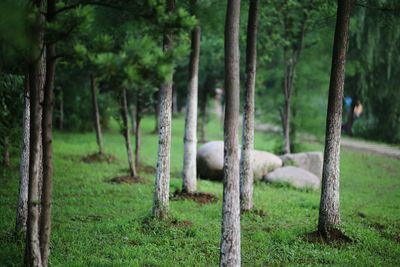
(138, 134)
(96, 114)
(190, 139)
(6, 152)
(126, 134)
(22, 208)
(37, 70)
(47, 139)
(246, 166)
(287, 92)
(133, 118)
(329, 214)
(230, 239)
(61, 121)
(161, 194)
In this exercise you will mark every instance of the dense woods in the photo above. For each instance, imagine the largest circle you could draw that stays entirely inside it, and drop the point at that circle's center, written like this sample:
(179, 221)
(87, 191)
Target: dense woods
(259, 95)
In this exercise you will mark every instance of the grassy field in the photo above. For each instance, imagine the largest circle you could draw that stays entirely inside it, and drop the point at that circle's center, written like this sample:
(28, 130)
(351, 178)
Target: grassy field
(98, 223)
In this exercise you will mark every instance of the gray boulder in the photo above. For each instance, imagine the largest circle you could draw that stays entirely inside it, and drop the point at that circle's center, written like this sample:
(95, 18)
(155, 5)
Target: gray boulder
(294, 176)
(210, 161)
(310, 161)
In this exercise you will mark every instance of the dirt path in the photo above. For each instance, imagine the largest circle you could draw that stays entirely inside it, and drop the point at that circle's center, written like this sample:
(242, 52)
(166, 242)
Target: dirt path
(360, 145)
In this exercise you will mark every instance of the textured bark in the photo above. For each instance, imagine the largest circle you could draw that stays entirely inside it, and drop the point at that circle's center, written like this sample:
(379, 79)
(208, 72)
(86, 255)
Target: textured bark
(37, 69)
(230, 239)
(161, 194)
(138, 134)
(61, 119)
(96, 114)
(246, 168)
(47, 139)
(6, 152)
(190, 139)
(126, 134)
(329, 214)
(133, 118)
(22, 208)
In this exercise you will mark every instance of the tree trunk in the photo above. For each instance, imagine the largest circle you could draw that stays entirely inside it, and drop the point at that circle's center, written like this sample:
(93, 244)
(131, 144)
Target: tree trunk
(126, 134)
(246, 168)
(47, 139)
(138, 134)
(22, 208)
(6, 152)
(329, 214)
(61, 121)
(161, 194)
(230, 239)
(190, 139)
(133, 118)
(37, 69)
(96, 114)
(287, 90)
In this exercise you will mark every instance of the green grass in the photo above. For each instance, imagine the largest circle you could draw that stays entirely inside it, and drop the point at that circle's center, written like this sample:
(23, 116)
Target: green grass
(96, 223)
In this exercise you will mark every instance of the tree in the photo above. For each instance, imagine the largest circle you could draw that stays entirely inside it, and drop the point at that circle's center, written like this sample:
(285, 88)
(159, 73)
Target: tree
(161, 194)
(329, 214)
(96, 113)
(190, 139)
(230, 239)
(246, 169)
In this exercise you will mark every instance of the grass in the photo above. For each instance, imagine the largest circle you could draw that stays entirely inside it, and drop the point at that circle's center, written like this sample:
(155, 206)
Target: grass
(98, 223)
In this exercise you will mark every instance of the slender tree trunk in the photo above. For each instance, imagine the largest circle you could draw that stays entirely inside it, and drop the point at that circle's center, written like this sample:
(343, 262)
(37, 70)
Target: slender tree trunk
(61, 121)
(230, 239)
(287, 90)
(22, 208)
(37, 69)
(190, 139)
(138, 134)
(246, 166)
(6, 152)
(96, 114)
(329, 214)
(126, 134)
(133, 118)
(47, 139)
(161, 194)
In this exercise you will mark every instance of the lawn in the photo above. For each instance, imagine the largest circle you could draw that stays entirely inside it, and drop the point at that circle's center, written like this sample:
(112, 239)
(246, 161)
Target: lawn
(98, 223)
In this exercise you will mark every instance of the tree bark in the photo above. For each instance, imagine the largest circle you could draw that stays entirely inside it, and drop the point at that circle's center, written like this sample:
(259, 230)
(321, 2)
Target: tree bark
(138, 134)
(161, 194)
(126, 134)
(230, 239)
(246, 166)
(96, 114)
(47, 139)
(329, 214)
(61, 121)
(190, 139)
(133, 118)
(37, 70)
(22, 208)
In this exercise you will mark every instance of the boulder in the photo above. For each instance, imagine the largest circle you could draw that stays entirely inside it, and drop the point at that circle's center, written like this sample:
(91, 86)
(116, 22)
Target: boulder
(263, 163)
(310, 161)
(210, 161)
(294, 176)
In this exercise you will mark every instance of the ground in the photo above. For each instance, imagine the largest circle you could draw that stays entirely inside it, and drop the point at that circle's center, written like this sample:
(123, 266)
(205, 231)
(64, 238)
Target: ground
(100, 223)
